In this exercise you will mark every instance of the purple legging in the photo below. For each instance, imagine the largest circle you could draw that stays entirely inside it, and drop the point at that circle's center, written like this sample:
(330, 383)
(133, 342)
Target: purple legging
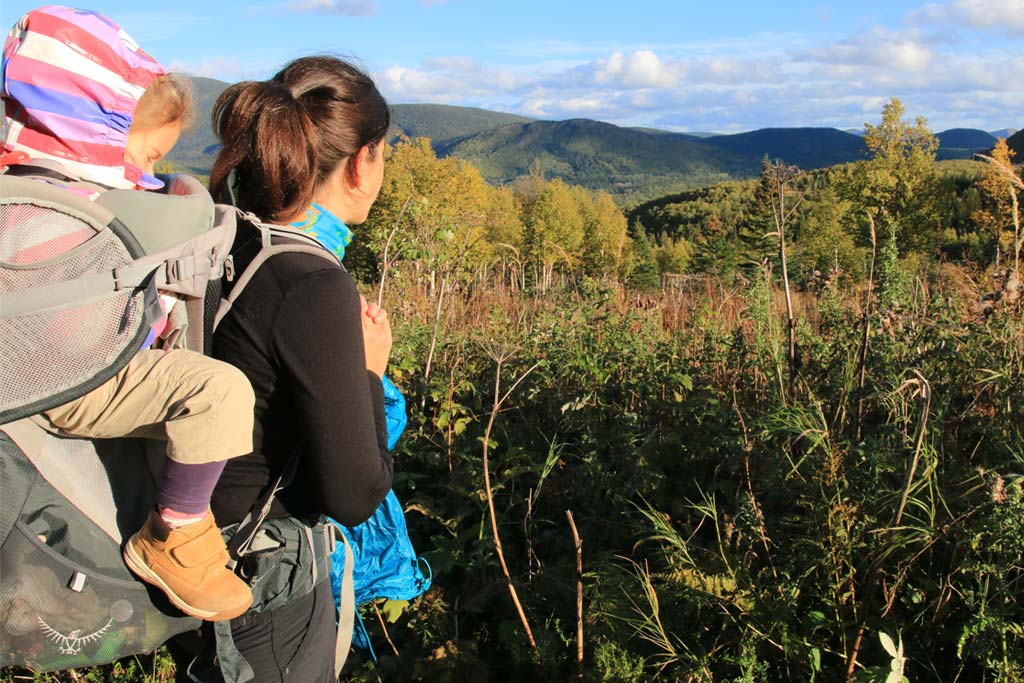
(187, 488)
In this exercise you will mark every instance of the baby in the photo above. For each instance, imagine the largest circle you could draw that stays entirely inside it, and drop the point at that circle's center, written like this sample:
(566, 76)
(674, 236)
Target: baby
(77, 90)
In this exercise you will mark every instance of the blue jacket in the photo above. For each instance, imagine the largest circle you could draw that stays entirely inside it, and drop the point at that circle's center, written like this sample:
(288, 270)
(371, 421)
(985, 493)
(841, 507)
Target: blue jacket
(386, 566)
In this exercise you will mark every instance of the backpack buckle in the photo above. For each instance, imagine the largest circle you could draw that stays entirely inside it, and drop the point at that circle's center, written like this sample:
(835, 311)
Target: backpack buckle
(179, 269)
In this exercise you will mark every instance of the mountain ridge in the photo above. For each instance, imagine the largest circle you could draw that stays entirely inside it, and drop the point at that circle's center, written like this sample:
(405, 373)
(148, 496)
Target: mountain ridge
(1016, 143)
(630, 162)
(597, 155)
(806, 147)
(963, 143)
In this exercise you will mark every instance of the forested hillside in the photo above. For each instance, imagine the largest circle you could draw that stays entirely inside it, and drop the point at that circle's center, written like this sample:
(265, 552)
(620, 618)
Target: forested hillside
(1016, 143)
(963, 143)
(807, 148)
(965, 138)
(632, 164)
(598, 155)
(197, 145)
(443, 123)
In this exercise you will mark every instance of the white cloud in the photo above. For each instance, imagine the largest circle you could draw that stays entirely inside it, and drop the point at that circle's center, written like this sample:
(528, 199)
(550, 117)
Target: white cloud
(877, 48)
(404, 83)
(732, 71)
(643, 100)
(581, 105)
(596, 107)
(445, 79)
(1006, 16)
(534, 109)
(725, 87)
(351, 8)
(872, 105)
(642, 69)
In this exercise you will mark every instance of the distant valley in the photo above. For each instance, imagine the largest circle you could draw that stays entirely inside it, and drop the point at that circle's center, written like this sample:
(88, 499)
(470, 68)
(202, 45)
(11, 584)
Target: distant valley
(630, 163)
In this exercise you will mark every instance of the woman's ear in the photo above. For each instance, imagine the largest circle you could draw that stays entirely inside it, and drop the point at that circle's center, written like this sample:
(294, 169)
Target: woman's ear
(359, 167)
(355, 184)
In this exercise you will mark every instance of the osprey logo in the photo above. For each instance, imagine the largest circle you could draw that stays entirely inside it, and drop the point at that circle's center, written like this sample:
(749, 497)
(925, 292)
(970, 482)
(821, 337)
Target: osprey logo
(71, 644)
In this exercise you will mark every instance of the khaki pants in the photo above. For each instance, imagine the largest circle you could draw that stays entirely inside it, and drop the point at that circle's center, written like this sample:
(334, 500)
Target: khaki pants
(202, 407)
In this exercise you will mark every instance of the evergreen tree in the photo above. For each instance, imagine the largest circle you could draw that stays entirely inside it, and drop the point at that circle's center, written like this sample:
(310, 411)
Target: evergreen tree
(716, 251)
(644, 273)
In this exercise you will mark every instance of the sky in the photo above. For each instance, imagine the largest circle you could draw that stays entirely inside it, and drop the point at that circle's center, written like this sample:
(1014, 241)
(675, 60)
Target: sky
(681, 65)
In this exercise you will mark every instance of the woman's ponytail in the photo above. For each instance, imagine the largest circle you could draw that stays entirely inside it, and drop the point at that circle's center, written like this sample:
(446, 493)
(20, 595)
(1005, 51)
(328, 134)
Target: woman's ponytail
(271, 146)
(284, 137)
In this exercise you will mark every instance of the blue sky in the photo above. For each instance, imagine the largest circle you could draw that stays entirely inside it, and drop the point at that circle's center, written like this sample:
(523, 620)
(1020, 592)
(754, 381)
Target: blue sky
(678, 65)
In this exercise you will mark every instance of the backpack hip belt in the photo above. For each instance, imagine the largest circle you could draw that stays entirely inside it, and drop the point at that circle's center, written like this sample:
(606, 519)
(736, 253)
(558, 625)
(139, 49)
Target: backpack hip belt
(286, 559)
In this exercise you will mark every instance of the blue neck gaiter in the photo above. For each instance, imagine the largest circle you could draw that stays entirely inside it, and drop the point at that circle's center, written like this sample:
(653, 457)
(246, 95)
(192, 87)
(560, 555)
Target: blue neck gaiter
(325, 228)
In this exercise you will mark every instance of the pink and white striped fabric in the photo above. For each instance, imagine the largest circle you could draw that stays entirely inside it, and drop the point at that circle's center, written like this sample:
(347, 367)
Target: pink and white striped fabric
(71, 82)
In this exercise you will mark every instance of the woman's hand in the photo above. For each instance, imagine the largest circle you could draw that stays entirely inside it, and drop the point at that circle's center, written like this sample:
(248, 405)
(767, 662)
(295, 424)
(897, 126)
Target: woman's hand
(376, 336)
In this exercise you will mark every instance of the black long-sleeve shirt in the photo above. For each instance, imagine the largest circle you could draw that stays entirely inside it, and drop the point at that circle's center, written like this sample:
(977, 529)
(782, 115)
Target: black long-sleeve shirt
(296, 333)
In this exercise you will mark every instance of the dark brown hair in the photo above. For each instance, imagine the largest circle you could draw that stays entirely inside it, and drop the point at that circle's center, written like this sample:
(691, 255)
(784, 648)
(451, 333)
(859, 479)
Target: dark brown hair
(284, 137)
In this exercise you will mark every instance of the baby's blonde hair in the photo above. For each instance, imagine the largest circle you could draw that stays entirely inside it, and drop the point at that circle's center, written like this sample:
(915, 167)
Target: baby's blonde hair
(168, 99)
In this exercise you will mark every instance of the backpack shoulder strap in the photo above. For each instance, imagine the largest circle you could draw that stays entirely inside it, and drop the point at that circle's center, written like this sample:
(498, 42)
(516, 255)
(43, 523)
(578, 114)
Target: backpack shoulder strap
(49, 169)
(274, 240)
(346, 605)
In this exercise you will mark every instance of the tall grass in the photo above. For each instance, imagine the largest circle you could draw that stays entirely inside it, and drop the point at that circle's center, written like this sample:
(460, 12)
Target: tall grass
(737, 528)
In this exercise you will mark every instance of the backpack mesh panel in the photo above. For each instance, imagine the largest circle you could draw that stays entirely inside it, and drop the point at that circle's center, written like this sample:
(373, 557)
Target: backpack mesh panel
(17, 477)
(32, 233)
(211, 303)
(78, 467)
(47, 354)
(66, 598)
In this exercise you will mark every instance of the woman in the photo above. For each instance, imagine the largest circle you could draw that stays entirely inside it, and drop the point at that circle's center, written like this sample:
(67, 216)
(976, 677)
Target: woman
(304, 149)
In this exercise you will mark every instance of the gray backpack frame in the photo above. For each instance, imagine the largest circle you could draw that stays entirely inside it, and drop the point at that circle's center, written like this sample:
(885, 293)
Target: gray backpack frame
(68, 322)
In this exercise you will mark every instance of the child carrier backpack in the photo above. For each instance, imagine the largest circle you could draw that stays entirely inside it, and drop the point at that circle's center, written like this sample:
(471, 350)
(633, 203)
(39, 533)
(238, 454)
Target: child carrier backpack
(80, 268)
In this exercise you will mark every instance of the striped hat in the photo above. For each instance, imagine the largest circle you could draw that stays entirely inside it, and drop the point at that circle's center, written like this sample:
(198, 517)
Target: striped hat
(71, 82)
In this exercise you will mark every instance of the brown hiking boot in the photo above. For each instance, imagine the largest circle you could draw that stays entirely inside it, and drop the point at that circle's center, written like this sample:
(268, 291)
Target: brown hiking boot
(189, 565)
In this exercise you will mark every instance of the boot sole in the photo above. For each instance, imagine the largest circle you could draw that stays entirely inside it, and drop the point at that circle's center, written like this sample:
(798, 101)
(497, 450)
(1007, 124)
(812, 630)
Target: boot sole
(144, 572)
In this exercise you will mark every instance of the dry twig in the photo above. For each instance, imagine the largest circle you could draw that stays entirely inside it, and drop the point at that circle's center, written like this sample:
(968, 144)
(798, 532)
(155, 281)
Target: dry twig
(387, 636)
(866, 335)
(385, 264)
(579, 593)
(499, 399)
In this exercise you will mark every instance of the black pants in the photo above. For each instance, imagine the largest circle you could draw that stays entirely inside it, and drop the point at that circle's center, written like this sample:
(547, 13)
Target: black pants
(292, 644)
